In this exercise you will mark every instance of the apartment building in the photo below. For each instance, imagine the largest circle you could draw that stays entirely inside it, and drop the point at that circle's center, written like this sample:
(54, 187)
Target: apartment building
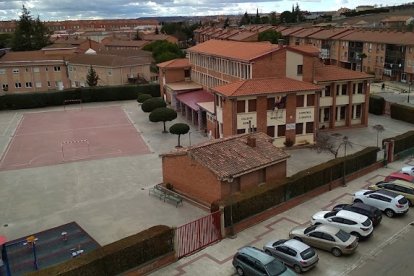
(33, 71)
(110, 43)
(111, 69)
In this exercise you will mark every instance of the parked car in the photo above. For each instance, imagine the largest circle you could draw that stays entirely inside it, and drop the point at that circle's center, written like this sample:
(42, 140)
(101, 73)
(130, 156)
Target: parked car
(373, 213)
(409, 170)
(293, 253)
(352, 223)
(253, 261)
(387, 201)
(399, 176)
(326, 237)
(400, 187)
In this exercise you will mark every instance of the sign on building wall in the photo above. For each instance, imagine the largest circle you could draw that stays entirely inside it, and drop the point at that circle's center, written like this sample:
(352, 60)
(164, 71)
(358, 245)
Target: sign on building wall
(291, 126)
(246, 120)
(305, 115)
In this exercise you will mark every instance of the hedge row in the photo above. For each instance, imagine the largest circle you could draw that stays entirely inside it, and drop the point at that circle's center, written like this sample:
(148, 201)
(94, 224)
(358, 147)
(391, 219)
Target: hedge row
(264, 197)
(87, 94)
(402, 142)
(376, 105)
(118, 257)
(402, 112)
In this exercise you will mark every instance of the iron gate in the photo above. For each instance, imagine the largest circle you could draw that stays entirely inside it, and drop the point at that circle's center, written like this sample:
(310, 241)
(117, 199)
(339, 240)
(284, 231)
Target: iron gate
(198, 234)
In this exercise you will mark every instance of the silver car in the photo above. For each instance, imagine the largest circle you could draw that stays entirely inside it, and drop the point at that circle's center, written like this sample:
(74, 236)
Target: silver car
(293, 253)
(326, 237)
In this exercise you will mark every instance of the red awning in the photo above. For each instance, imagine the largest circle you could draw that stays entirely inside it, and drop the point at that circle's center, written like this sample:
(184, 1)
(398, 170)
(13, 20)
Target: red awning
(191, 99)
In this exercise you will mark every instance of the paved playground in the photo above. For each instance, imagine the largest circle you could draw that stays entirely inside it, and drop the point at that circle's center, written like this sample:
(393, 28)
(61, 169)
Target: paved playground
(108, 197)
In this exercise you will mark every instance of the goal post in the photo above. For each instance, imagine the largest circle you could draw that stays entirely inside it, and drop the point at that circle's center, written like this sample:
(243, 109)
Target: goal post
(72, 102)
(84, 142)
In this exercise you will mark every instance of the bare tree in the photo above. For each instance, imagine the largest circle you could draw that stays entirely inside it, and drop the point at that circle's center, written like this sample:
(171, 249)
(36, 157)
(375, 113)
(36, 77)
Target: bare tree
(328, 143)
(378, 128)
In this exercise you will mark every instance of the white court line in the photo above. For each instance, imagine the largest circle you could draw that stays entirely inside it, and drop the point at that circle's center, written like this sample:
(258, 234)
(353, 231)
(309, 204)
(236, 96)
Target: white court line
(10, 143)
(72, 129)
(9, 124)
(138, 131)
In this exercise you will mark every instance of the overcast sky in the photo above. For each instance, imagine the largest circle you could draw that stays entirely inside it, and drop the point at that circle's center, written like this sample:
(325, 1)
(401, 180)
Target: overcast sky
(95, 9)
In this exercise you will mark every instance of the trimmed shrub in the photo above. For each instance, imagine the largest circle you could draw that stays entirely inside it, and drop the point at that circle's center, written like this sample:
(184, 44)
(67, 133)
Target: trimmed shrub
(376, 105)
(120, 256)
(163, 114)
(402, 142)
(143, 97)
(267, 196)
(87, 94)
(402, 112)
(153, 103)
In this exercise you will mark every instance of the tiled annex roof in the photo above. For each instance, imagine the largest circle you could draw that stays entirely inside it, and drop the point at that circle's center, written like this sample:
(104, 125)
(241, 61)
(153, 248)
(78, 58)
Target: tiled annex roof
(305, 49)
(333, 73)
(263, 86)
(245, 51)
(242, 36)
(175, 63)
(389, 37)
(191, 99)
(231, 157)
(306, 32)
(328, 33)
(290, 30)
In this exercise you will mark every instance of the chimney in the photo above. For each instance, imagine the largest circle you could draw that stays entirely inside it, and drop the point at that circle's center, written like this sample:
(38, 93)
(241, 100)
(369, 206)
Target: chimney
(251, 141)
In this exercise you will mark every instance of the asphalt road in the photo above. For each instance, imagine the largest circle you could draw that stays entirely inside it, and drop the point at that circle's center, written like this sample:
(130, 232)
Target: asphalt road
(393, 258)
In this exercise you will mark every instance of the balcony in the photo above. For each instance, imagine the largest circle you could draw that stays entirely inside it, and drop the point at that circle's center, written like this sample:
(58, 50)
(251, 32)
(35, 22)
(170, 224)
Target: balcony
(325, 101)
(358, 98)
(342, 100)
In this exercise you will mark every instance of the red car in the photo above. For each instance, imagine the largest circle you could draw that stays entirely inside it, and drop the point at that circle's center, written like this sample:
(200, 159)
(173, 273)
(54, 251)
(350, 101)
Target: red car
(399, 176)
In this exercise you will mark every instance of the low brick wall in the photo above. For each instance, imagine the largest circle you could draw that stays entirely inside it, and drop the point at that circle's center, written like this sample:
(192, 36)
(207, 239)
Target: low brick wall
(251, 221)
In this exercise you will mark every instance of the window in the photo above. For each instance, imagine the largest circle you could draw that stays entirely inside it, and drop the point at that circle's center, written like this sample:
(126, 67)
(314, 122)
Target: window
(27, 69)
(300, 100)
(70, 68)
(358, 111)
(241, 106)
(327, 237)
(252, 105)
(281, 130)
(326, 114)
(48, 84)
(327, 91)
(5, 87)
(271, 131)
(15, 71)
(56, 68)
(310, 100)
(317, 235)
(2, 71)
(344, 89)
(270, 103)
(360, 88)
(342, 113)
(241, 131)
(38, 84)
(299, 70)
(338, 87)
(28, 84)
(17, 85)
(36, 69)
(46, 69)
(299, 128)
(187, 73)
(309, 127)
(109, 72)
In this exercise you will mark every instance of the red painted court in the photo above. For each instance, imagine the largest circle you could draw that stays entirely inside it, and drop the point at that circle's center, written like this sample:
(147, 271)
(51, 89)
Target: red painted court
(55, 137)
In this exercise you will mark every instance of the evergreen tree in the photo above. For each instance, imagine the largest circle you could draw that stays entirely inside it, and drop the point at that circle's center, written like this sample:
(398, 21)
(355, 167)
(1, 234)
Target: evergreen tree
(273, 18)
(92, 78)
(245, 20)
(257, 18)
(30, 34)
(226, 23)
(156, 30)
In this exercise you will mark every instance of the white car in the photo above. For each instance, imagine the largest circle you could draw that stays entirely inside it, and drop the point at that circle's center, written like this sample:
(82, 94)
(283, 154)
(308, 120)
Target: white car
(409, 170)
(387, 201)
(352, 223)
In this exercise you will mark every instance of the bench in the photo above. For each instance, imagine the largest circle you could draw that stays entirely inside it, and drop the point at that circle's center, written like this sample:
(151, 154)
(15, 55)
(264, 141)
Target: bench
(157, 191)
(173, 198)
(165, 195)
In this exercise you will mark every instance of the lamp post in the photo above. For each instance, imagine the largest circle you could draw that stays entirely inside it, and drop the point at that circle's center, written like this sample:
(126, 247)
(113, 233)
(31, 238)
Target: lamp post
(409, 91)
(189, 137)
(345, 143)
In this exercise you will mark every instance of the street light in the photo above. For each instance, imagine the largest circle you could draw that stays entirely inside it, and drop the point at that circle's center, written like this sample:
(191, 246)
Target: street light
(345, 143)
(409, 91)
(189, 137)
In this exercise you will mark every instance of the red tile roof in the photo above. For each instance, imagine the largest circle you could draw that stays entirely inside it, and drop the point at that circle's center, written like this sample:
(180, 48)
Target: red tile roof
(242, 36)
(306, 32)
(264, 86)
(108, 60)
(400, 18)
(389, 37)
(31, 56)
(231, 157)
(305, 49)
(192, 98)
(290, 31)
(175, 63)
(244, 51)
(333, 73)
(328, 33)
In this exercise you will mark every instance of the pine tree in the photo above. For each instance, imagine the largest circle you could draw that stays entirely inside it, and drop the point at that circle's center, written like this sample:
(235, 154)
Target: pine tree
(30, 34)
(92, 78)
(156, 30)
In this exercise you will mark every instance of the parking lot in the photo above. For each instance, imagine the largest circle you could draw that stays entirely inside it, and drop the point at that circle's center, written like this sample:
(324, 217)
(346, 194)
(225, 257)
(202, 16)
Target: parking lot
(216, 260)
